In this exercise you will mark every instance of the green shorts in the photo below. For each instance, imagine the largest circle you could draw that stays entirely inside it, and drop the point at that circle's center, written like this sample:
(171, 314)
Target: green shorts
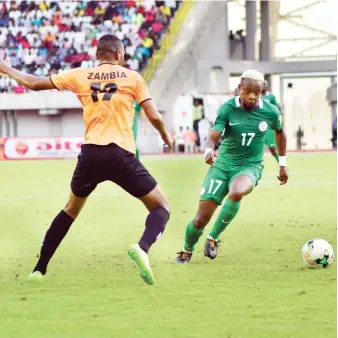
(270, 138)
(217, 181)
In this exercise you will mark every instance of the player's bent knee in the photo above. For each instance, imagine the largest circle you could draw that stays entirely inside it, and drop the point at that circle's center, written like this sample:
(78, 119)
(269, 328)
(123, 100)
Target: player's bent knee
(162, 214)
(162, 202)
(72, 212)
(165, 205)
(156, 199)
(235, 196)
(74, 205)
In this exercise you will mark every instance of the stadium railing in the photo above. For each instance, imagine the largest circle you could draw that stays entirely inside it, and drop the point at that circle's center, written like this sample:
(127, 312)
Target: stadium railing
(168, 40)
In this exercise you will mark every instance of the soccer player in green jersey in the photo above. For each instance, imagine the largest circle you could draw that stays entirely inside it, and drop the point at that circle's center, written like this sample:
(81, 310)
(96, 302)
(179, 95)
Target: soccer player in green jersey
(270, 135)
(244, 119)
(138, 110)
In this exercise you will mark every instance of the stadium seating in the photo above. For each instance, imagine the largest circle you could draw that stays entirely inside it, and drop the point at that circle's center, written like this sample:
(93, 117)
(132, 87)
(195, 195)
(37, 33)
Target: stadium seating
(43, 37)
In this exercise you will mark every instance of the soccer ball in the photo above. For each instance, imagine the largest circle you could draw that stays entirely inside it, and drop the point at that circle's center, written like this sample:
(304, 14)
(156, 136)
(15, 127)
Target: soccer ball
(317, 253)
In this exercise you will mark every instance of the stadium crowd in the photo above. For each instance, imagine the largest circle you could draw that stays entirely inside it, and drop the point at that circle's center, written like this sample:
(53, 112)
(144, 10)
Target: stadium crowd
(43, 37)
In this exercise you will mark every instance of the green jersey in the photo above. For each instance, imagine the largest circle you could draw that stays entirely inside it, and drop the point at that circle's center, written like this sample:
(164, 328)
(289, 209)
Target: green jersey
(244, 132)
(137, 110)
(271, 98)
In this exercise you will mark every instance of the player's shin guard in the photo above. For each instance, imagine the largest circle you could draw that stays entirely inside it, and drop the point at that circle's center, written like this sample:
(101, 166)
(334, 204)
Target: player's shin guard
(226, 215)
(55, 234)
(155, 225)
(192, 236)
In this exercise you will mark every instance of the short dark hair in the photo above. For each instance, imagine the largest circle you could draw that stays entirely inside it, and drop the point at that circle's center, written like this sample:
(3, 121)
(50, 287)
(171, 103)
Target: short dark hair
(108, 44)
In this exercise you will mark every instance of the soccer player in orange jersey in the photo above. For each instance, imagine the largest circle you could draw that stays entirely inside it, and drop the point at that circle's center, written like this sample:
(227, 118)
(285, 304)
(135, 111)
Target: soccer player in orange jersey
(107, 93)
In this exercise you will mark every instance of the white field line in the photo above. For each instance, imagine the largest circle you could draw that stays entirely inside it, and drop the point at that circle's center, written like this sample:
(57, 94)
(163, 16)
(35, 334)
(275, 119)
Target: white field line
(116, 194)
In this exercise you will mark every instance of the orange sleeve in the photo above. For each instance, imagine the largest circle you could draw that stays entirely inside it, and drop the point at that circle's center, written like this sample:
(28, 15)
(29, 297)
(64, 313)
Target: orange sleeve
(64, 80)
(141, 90)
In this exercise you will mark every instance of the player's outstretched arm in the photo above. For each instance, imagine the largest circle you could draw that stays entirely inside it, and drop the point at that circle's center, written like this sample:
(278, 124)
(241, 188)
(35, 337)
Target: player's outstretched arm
(156, 120)
(210, 145)
(281, 148)
(28, 81)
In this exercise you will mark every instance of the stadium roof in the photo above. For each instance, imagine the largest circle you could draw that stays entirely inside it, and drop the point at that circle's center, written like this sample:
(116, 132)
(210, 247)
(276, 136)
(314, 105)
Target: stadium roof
(304, 29)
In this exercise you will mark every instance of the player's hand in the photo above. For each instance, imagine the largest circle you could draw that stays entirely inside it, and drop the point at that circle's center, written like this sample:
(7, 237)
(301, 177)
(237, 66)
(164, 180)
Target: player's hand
(283, 175)
(168, 140)
(209, 156)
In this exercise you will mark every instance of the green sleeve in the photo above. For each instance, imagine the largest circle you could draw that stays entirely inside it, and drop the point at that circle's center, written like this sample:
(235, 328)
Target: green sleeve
(221, 119)
(137, 108)
(273, 100)
(276, 120)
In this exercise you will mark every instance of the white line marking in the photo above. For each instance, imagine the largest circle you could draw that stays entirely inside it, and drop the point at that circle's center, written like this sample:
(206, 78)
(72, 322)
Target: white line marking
(297, 172)
(290, 182)
(22, 198)
(274, 182)
(37, 197)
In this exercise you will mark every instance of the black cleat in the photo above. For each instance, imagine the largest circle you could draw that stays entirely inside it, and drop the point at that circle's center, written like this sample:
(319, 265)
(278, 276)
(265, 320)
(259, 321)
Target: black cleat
(183, 257)
(211, 248)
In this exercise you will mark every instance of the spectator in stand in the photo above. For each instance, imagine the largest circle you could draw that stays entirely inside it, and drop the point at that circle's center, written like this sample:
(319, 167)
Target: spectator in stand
(44, 36)
(148, 43)
(203, 132)
(189, 138)
(197, 114)
(334, 134)
(179, 142)
(157, 29)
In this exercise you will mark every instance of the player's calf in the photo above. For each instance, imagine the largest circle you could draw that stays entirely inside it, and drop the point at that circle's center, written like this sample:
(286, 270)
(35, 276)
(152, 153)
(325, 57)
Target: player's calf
(159, 214)
(54, 236)
(58, 230)
(195, 229)
(155, 226)
(201, 220)
(156, 202)
(240, 187)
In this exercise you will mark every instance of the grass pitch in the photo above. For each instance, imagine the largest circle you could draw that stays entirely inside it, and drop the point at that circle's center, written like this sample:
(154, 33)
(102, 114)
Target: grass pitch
(257, 287)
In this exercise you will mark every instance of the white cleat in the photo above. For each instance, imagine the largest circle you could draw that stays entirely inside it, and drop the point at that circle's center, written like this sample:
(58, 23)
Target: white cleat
(140, 257)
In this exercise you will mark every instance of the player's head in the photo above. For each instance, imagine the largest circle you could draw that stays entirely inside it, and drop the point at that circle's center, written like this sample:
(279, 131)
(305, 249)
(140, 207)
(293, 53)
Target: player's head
(110, 48)
(236, 91)
(265, 89)
(250, 88)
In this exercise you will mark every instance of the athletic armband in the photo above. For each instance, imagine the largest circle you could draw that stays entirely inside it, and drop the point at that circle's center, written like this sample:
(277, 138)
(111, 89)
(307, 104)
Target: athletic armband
(282, 161)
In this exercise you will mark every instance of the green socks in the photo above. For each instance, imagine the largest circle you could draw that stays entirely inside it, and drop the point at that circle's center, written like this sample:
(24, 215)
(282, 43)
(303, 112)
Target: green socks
(192, 236)
(226, 215)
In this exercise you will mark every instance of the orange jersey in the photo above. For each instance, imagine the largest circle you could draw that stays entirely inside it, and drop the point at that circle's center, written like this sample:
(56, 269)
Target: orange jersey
(107, 93)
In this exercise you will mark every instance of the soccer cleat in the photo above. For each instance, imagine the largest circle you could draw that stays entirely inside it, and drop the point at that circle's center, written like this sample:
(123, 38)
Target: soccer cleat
(211, 248)
(36, 276)
(140, 257)
(183, 257)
